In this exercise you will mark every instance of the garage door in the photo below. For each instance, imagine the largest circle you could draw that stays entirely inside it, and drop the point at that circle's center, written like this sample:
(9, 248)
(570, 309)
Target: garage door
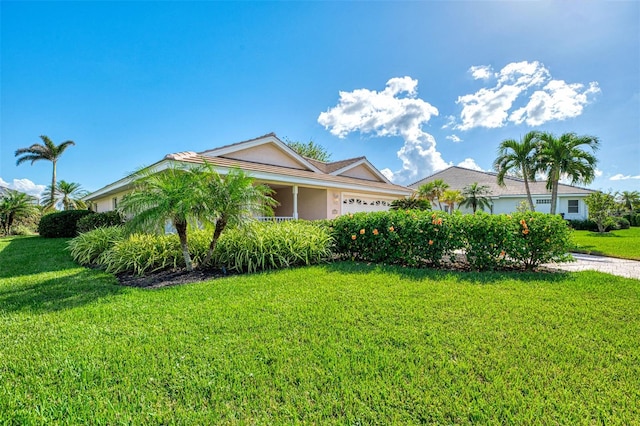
(363, 203)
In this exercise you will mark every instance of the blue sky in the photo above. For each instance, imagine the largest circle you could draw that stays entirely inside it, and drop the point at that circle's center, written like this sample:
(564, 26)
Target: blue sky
(414, 86)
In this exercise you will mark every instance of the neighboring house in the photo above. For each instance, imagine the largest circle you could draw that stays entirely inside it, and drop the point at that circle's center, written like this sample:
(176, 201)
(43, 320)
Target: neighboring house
(507, 198)
(304, 188)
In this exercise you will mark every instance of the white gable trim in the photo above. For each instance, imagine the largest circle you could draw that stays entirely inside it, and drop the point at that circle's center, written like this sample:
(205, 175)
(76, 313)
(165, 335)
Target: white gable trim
(269, 139)
(365, 163)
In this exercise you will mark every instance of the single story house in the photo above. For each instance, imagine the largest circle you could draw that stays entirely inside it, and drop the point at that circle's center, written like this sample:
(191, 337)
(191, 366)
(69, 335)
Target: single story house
(304, 188)
(506, 198)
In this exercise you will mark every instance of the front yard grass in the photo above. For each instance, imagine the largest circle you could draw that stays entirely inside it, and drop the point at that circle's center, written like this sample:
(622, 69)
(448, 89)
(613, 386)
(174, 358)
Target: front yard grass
(623, 243)
(344, 343)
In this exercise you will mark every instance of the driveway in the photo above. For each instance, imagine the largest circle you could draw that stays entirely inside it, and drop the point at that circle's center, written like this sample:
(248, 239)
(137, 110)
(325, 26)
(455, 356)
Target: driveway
(610, 265)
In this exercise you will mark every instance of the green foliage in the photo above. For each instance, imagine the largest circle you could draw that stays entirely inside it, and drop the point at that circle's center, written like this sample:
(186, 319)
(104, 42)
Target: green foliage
(310, 150)
(15, 206)
(68, 195)
(621, 223)
(87, 247)
(477, 196)
(415, 238)
(584, 225)
(100, 220)
(411, 238)
(255, 247)
(518, 158)
(634, 219)
(601, 207)
(61, 224)
(267, 245)
(410, 203)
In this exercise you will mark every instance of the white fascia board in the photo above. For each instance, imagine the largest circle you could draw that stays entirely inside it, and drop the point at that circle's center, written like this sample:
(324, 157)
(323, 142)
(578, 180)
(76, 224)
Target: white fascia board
(124, 183)
(220, 152)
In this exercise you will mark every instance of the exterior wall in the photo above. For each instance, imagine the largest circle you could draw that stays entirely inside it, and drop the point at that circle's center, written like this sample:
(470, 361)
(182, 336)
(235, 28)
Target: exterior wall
(312, 203)
(361, 172)
(266, 154)
(563, 207)
(333, 204)
(105, 204)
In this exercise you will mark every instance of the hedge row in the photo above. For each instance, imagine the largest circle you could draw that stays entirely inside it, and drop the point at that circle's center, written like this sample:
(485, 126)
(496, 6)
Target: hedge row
(419, 238)
(615, 223)
(69, 223)
(257, 247)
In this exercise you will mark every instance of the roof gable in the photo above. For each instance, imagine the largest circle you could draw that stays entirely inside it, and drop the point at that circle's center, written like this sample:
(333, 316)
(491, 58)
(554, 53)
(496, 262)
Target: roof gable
(267, 149)
(360, 169)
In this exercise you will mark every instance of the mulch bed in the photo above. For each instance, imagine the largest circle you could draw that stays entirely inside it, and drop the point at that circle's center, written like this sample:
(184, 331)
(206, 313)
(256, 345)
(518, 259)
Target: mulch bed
(169, 278)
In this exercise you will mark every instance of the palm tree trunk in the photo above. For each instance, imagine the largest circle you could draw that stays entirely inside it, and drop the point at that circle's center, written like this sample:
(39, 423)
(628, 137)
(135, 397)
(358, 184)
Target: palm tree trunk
(554, 195)
(220, 225)
(526, 186)
(53, 186)
(181, 228)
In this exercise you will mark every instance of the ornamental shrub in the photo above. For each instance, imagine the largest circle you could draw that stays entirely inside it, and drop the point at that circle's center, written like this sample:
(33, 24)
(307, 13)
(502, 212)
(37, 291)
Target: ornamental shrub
(488, 239)
(99, 220)
(87, 247)
(541, 238)
(621, 223)
(61, 224)
(406, 237)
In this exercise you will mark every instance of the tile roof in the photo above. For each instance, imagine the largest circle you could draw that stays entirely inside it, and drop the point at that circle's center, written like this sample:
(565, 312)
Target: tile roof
(286, 171)
(333, 166)
(459, 177)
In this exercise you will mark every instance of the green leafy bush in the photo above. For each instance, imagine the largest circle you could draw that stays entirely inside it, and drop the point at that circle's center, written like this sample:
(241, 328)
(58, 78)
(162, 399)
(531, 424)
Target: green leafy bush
(87, 247)
(99, 220)
(61, 224)
(621, 223)
(403, 237)
(411, 203)
(487, 239)
(541, 238)
(255, 247)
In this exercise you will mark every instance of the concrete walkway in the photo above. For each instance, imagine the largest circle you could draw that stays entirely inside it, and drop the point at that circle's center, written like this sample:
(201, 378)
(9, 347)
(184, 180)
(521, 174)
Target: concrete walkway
(610, 265)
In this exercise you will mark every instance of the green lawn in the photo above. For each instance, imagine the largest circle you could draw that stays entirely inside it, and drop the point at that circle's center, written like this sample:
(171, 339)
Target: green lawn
(624, 243)
(344, 343)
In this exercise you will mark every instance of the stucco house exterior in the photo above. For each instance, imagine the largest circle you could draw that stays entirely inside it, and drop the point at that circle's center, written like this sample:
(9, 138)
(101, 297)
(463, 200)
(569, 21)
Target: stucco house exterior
(506, 199)
(304, 188)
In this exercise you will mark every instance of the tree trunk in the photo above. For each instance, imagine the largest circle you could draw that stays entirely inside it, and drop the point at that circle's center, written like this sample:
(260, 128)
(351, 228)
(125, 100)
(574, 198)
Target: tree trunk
(53, 186)
(220, 225)
(181, 228)
(526, 185)
(554, 194)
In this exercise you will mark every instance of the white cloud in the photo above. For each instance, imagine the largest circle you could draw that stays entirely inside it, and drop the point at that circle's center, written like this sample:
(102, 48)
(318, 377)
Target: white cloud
(26, 186)
(395, 111)
(620, 176)
(451, 122)
(481, 72)
(554, 100)
(597, 172)
(470, 163)
(453, 138)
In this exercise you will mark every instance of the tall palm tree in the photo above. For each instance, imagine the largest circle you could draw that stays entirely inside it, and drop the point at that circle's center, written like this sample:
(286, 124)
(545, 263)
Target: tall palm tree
(70, 195)
(629, 199)
(231, 200)
(564, 157)
(171, 194)
(476, 196)
(15, 205)
(451, 197)
(433, 191)
(47, 151)
(519, 157)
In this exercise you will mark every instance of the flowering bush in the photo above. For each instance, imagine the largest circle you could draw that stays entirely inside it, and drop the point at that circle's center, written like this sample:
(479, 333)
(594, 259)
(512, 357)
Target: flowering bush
(418, 238)
(407, 237)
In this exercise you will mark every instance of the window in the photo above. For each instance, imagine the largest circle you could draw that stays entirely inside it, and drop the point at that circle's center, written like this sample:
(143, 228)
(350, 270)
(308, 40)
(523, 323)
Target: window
(573, 206)
(546, 201)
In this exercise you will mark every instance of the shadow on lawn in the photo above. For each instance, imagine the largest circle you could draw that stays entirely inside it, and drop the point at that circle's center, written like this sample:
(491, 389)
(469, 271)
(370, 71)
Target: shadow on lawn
(485, 277)
(66, 286)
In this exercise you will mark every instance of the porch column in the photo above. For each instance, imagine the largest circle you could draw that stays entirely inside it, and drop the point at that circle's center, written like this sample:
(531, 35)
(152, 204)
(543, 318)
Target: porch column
(295, 201)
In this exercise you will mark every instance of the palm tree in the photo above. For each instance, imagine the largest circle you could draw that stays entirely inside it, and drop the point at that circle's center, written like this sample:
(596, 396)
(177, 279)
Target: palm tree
(69, 194)
(563, 156)
(15, 205)
(171, 194)
(519, 157)
(476, 196)
(231, 200)
(433, 190)
(451, 197)
(629, 199)
(50, 152)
